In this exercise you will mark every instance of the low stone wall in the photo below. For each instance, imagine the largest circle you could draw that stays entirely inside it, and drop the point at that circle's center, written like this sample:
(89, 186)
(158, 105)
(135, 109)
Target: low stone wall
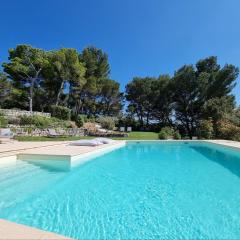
(17, 113)
(28, 131)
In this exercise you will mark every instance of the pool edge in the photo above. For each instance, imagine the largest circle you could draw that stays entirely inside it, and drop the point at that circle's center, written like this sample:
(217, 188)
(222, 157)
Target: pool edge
(12, 231)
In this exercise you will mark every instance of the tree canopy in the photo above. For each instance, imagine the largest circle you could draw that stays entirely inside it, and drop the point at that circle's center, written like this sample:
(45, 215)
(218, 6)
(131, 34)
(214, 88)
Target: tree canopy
(79, 81)
(197, 96)
(25, 68)
(194, 93)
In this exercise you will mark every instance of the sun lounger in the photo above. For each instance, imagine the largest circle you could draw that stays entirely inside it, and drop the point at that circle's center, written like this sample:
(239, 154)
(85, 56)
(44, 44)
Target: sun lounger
(5, 134)
(92, 143)
(122, 129)
(129, 129)
(104, 140)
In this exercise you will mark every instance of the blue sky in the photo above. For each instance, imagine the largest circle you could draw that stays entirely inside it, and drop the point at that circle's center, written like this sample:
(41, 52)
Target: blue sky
(141, 37)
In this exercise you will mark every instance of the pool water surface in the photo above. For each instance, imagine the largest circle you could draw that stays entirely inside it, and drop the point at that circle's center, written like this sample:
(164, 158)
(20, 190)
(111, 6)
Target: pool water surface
(146, 190)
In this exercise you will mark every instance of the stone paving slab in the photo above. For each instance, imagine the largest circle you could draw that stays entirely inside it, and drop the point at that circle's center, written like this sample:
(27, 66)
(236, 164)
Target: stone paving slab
(13, 231)
(67, 149)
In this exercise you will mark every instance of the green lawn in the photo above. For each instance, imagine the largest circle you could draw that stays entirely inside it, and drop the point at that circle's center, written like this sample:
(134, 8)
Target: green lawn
(132, 136)
(141, 136)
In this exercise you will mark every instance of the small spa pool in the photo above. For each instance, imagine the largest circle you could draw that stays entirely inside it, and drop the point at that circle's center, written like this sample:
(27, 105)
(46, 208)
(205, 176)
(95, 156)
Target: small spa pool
(144, 190)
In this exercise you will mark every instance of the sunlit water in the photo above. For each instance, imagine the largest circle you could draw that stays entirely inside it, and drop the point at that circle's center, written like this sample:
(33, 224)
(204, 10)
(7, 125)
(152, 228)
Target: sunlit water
(141, 191)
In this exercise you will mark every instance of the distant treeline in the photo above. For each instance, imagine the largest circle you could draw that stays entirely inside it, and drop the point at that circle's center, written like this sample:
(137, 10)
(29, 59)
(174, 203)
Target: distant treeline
(197, 96)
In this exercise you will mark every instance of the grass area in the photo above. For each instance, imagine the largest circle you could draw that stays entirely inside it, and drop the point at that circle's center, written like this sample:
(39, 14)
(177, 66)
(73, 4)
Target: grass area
(141, 136)
(132, 136)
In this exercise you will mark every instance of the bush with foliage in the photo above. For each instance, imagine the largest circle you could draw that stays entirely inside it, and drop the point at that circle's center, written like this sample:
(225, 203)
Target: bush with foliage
(79, 120)
(107, 122)
(44, 122)
(37, 121)
(235, 117)
(206, 130)
(60, 112)
(228, 130)
(26, 120)
(14, 120)
(90, 127)
(166, 133)
(177, 135)
(169, 133)
(3, 122)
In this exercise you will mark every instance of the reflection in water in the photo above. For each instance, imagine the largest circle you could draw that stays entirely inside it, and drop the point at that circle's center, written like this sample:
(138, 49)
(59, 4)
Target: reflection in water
(225, 157)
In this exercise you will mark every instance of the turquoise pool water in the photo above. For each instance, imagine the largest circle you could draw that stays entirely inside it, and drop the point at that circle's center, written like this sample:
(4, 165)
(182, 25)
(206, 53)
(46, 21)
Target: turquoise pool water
(140, 191)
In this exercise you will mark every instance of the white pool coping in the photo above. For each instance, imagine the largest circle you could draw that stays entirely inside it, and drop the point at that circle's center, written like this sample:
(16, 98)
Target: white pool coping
(12, 231)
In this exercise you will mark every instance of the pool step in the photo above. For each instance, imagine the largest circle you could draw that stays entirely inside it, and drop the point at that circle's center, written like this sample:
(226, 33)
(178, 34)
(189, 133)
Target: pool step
(20, 177)
(21, 184)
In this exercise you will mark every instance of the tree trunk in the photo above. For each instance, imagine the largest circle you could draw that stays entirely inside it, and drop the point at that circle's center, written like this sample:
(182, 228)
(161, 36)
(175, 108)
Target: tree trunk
(147, 124)
(33, 79)
(190, 133)
(31, 95)
(59, 93)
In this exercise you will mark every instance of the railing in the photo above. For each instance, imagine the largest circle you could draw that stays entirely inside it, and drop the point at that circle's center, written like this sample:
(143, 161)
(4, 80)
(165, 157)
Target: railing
(16, 113)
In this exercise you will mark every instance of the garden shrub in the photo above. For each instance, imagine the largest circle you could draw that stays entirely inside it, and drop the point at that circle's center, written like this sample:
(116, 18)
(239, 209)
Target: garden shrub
(91, 119)
(14, 120)
(79, 120)
(206, 130)
(3, 122)
(107, 122)
(42, 122)
(60, 112)
(166, 133)
(68, 124)
(177, 135)
(26, 120)
(37, 121)
(29, 130)
(162, 135)
(228, 130)
(169, 133)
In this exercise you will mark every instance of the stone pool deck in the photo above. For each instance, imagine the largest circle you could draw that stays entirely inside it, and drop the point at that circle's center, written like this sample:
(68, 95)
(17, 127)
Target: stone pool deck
(13, 231)
(13, 148)
(10, 152)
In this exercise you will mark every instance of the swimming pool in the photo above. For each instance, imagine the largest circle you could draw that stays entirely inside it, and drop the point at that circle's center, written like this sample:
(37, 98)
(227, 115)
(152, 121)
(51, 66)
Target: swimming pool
(144, 190)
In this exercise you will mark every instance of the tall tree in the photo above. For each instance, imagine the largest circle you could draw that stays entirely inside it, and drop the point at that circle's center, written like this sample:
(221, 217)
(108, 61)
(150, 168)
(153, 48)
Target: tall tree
(25, 68)
(194, 87)
(65, 70)
(161, 98)
(5, 87)
(96, 63)
(186, 98)
(139, 95)
(97, 70)
(110, 102)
